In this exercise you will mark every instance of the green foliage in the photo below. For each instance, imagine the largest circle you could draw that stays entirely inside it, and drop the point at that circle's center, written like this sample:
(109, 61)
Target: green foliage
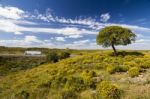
(116, 35)
(88, 78)
(9, 64)
(112, 69)
(145, 64)
(77, 77)
(52, 57)
(22, 95)
(134, 71)
(69, 94)
(74, 83)
(64, 55)
(108, 91)
(88, 94)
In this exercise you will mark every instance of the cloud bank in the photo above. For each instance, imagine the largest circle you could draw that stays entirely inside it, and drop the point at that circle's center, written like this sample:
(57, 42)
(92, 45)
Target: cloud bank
(19, 22)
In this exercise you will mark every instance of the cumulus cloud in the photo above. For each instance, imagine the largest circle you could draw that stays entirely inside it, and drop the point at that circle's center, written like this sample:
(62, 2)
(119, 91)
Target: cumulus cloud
(11, 12)
(15, 20)
(105, 17)
(8, 26)
(61, 39)
(74, 36)
(27, 41)
(31, 38)
(18, 33)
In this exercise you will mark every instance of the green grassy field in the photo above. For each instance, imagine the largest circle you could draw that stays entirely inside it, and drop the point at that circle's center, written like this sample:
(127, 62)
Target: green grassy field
(88, 75)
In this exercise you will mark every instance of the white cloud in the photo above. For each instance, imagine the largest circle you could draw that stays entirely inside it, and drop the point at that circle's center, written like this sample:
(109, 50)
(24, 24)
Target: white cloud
(139, 35)
(27, 41)
(143, 41)
(18, 33)
(8, 26)
(31, 39)
(15, 27)
(61, 39)
(11, 12)
(14, 20)
(81, 42)
(105, 17)
(74, 36)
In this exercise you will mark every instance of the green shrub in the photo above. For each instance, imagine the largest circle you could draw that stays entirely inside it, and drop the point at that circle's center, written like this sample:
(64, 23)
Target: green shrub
(145, 64)
(22, 95)
(123, 68)
(113, 69)
(86, 61)
(108, 91)
(74, 83)
(88, 78)
(88, 94)
(134, 71)
(98, 66)
(131, 64)
(64, 55)
(56, 82)
(68, 94)
(52, 57)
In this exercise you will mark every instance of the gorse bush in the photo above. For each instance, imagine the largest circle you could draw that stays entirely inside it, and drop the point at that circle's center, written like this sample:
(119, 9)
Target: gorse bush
(74, 83)
(145, 64)
(108, 91)
(113, 69)
(134, 71)
(87, 77)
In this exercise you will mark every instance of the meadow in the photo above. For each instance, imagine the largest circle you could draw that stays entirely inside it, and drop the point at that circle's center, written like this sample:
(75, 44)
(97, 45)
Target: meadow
(87, 75)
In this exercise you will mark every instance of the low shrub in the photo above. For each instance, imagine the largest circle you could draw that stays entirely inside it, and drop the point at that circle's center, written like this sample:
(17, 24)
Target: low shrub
(88, 94)
(87, 61)
(113, 69)
(22, 95)
(145, 65)
(108, 91)
(131, 64)
(87, 77)
(124, 68)
(64, 55)
(98, 66)
(68, 94)
(52, 57)
(74, 83)
(134, 71)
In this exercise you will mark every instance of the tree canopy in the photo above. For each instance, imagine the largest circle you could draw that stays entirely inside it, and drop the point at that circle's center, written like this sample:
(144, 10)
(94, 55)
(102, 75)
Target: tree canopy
(115, 35)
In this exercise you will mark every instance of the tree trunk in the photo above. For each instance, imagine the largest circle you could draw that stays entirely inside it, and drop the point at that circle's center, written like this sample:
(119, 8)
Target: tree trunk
(115, 52)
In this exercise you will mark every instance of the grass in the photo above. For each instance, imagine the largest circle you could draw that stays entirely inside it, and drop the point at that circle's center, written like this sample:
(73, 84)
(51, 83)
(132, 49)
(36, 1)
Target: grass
(77, 78)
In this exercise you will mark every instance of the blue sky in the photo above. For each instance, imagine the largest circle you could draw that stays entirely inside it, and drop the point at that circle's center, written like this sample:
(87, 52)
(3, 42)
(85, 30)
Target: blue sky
(71, 23)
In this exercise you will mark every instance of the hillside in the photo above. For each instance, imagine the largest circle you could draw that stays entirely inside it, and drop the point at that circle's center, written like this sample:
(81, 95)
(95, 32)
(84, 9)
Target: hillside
(80, 77)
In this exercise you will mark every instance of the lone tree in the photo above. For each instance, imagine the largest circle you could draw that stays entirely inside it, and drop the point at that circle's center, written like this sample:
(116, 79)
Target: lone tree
(115, 35)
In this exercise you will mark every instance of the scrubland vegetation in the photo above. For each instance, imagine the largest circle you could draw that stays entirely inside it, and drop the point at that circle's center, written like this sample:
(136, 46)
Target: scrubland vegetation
(80, 74)
(15, 62)
(96, 75)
